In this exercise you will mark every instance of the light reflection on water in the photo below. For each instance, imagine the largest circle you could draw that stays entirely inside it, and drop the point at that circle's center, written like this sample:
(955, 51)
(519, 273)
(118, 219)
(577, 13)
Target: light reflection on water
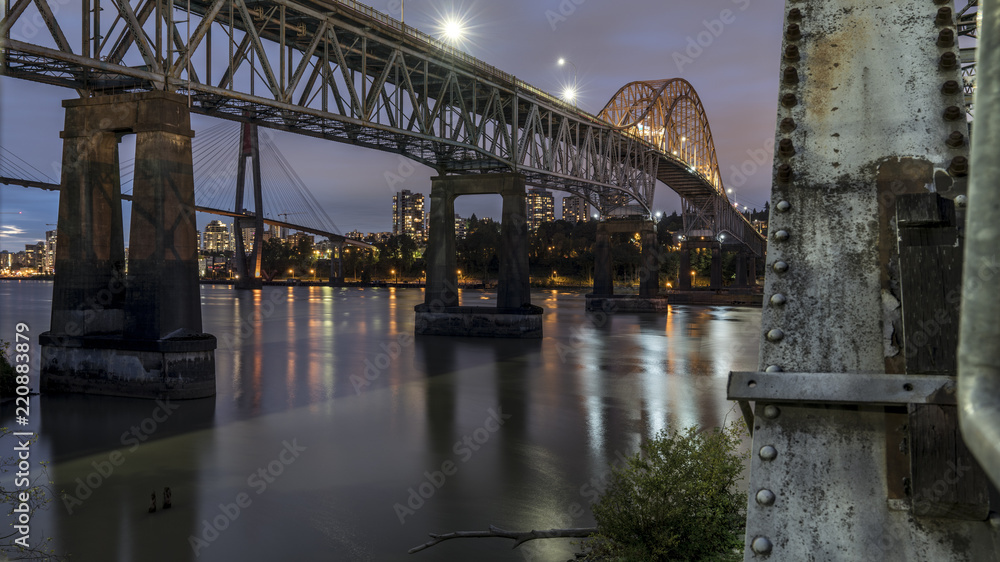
(338, 371)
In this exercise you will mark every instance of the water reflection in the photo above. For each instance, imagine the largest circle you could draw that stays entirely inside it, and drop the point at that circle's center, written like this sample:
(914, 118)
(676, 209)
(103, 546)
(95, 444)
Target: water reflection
(379, 414)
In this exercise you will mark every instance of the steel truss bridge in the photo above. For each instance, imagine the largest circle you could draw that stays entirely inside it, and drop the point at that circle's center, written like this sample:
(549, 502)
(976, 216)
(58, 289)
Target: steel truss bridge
(342, 71)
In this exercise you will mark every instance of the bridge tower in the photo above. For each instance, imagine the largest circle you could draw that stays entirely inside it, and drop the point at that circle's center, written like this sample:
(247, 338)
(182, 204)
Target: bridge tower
(138, 334)
(856, 452)
(248, 266)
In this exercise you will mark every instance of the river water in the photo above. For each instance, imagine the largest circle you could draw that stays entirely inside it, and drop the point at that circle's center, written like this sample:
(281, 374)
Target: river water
(337, 435)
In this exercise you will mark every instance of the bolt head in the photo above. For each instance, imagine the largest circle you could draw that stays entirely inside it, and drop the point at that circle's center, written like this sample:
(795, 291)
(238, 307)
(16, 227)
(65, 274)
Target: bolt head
(961, 201)
(794, 14)
(765, 497)
(761, 545)
(775, 335)
(784, 173)
(955, 140)
(946, 39)
(950, 88)
(768, 453)
(790, 75)
(780, 266)
(792, 53)
(773, 369)
(781, 235)
(783, 206)
(771, 411)
(789, 100)
(793, 32)
(778, 299)
(959, 166)
(953, 113)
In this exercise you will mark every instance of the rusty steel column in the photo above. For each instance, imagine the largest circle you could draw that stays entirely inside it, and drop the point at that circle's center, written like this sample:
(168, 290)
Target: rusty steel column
(870, 112)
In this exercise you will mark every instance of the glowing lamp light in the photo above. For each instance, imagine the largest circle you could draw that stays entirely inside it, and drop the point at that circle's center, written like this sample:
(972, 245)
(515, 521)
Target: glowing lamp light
(569, 94)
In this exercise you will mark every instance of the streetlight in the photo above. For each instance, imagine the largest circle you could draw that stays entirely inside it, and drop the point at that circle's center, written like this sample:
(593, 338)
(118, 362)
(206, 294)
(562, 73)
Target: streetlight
(693, 274)
(460, 276)
(452, 28)
(569, 92)
(393, 272)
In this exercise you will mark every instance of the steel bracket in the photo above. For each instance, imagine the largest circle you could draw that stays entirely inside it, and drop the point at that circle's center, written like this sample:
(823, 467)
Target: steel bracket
(842, 388)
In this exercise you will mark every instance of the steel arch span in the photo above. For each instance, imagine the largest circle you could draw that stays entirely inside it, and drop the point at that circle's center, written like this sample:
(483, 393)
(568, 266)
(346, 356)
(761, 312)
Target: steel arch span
(669, 115)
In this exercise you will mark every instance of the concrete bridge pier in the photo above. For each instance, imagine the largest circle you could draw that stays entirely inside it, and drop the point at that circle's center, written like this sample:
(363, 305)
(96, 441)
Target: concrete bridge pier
(137, 335)
(603, 297)
(514, 316)
(337, 265)
(684, 269)
(715, 270)
(741, 270)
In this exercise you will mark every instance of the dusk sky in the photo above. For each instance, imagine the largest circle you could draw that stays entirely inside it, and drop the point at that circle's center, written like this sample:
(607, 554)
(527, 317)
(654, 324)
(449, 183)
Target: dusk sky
(733, 66)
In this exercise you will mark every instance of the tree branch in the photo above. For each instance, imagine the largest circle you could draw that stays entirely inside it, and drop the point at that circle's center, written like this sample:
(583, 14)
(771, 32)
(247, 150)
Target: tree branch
(517, 537)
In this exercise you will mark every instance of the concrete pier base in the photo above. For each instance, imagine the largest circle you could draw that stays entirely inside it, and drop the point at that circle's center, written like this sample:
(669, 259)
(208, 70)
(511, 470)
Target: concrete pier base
(514, 316)
(138, 334)
(179, 368)
(480, 321)
(626, 303)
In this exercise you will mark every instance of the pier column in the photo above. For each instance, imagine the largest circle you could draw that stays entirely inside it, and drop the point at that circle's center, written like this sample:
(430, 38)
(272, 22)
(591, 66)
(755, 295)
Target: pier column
(603, 280)
(741, 269)
(684, 269)
(337, 264)
(513, 282)
(514, 316)
(716, 268)
(442, 275)
(89, 291)
(649, 280)
(137, 336)
(163, 294)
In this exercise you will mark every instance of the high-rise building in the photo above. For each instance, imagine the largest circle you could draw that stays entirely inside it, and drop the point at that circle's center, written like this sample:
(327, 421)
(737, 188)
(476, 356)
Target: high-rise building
(461, 227)
(216, 237)
(50, 252)
(541, 207)
(408, 215)
(575, 209)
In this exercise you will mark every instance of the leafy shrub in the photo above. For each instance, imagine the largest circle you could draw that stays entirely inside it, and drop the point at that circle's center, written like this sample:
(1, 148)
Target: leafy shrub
(676, 500)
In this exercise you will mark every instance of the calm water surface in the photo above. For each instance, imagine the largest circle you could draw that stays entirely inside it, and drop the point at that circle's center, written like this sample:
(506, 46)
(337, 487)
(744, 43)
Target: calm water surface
(345, 438)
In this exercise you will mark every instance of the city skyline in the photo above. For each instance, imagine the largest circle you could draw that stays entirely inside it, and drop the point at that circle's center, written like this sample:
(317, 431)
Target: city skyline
(734, 72)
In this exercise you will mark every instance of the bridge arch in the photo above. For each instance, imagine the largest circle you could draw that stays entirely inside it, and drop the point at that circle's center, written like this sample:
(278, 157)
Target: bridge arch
(669, 114)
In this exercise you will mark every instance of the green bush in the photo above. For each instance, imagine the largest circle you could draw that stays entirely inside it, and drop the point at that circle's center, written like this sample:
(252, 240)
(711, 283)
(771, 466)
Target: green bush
(676, 500)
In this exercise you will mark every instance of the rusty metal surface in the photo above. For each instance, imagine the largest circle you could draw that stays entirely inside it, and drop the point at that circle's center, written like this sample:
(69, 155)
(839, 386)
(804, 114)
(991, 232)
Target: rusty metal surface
(833, 388)
(826, 474)
(866, 119)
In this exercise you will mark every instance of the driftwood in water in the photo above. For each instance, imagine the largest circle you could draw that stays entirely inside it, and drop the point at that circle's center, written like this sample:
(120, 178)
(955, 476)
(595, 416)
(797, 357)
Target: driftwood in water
(517, 537)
